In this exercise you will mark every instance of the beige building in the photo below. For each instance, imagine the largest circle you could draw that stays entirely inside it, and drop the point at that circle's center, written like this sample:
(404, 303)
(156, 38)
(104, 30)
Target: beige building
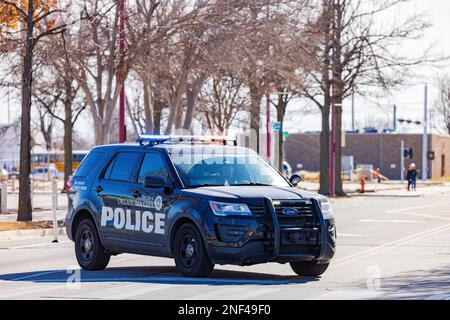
(380, 150)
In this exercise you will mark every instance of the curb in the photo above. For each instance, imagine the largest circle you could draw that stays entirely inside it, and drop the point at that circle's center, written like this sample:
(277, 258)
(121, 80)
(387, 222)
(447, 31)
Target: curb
(26, 234)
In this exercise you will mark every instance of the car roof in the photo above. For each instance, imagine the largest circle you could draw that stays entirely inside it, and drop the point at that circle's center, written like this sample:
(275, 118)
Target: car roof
(176, 147)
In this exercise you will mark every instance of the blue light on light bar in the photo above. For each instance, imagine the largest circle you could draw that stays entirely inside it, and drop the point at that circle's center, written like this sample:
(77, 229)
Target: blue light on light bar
(159, 139)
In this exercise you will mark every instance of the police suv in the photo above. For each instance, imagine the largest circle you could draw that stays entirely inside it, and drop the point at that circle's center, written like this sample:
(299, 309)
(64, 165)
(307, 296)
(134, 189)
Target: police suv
(202, 201)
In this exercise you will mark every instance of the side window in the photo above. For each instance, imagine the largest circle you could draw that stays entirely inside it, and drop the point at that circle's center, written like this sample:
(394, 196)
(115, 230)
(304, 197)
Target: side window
(121, 168)
(89, 163)
(153, 165)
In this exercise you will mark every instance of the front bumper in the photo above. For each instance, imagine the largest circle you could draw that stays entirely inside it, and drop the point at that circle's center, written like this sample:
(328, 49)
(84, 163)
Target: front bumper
(269, 238)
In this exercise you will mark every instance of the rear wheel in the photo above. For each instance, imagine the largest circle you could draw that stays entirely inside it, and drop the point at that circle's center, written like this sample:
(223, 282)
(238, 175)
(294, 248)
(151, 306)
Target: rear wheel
(90, 253)
(190, 253)
(309, 268)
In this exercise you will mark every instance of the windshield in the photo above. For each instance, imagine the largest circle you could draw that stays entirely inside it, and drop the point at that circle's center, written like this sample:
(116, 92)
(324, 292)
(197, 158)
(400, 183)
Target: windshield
(201, 169)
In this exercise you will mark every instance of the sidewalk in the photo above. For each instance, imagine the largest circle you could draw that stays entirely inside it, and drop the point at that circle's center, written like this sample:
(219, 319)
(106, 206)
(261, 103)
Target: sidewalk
(387, 189)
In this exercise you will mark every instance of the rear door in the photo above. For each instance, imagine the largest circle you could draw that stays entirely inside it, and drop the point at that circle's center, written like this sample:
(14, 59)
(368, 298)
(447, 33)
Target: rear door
(114, 190)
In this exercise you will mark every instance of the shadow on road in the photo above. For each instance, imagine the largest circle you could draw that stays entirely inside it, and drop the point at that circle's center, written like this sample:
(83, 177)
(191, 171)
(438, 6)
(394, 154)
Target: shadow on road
(418, 285)
(162, 274)
(413, 285)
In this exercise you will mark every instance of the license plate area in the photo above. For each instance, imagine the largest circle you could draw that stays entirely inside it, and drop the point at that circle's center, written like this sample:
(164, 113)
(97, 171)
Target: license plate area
(299, 237)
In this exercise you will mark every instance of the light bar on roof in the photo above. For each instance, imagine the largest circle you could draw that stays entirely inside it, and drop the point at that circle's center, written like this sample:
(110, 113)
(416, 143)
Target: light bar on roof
(159, 139)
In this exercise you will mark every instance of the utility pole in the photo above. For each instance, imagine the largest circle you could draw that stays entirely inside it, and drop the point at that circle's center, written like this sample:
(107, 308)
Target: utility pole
(402, 161)
(425, 138)
(268, 126)
(353, 111)
(395, 119)
(122, 130)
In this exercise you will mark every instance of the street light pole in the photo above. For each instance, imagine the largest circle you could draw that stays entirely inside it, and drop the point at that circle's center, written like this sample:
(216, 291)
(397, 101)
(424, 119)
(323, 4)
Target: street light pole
(425, 138)
(122, 132)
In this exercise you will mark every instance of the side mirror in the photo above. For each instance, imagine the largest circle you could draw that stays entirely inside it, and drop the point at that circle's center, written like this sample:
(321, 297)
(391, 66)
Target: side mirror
(295, 179)
(156, 182)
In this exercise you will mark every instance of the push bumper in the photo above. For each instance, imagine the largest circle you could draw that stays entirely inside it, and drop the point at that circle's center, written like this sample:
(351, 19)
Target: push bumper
(274, 241)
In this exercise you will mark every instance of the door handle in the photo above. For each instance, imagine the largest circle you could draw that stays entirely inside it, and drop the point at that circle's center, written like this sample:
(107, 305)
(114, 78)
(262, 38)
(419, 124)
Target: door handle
(99, 189)
(136, 194)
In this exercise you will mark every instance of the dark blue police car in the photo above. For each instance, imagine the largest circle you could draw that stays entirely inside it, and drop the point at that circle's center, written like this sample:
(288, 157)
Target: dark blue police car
(199, 200)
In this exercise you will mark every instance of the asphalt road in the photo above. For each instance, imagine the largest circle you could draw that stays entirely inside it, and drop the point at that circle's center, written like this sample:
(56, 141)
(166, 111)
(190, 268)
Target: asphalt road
(388, 248)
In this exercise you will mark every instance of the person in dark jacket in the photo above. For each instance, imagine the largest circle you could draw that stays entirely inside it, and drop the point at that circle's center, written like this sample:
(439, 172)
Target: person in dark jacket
(411, 176)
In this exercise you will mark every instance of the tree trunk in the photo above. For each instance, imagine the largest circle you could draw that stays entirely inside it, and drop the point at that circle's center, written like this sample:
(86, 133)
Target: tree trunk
(25, 209)
(191, 98)
(68, 127)
(338, 161)
(255, 110)
(157, 117)
(149, 127)
(324, 150)
(281, 111)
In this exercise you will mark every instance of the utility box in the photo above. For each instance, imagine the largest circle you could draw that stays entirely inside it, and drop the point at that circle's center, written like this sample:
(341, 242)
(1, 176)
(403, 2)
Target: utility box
(347, 167)
(3, 197)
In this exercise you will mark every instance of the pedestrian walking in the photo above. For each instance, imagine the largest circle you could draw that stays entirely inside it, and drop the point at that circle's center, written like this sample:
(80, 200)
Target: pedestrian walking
(378, 175)
(411, 176)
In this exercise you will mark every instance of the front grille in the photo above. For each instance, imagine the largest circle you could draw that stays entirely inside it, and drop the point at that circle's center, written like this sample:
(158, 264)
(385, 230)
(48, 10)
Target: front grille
(304, 216)
(299, 226)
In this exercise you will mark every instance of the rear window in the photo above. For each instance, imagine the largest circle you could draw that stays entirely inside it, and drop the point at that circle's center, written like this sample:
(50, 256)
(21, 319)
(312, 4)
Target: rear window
(89, 163)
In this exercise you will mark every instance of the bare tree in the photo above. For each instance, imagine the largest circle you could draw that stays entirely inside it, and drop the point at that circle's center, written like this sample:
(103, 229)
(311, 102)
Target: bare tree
(96, 66)
(221, 100)
(442, 105)
(27, 16)
(357, 50)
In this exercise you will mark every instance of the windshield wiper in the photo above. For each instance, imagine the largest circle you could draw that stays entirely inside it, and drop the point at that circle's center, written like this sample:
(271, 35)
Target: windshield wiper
(204, 185)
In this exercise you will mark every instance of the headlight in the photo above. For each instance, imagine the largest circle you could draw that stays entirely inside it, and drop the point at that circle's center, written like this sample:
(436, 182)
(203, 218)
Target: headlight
(327, 211)
(225, 209)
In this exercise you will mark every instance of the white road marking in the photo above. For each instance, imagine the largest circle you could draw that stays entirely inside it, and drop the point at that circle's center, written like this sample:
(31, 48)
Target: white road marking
(418, 207)
(350, 235)
(132, 291)
(34, 275)
(389, 221)
(233, 293)
(406, 240)
(38, 245)
(26, 291)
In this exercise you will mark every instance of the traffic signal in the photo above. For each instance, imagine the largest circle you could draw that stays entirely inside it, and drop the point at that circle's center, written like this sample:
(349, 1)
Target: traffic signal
(408, 153)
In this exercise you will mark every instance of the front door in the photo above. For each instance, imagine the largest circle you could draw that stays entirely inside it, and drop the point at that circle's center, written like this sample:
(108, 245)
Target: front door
(150, 205)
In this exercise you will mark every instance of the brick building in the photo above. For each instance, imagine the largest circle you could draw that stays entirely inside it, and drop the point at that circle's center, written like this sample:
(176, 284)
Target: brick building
(379, 150)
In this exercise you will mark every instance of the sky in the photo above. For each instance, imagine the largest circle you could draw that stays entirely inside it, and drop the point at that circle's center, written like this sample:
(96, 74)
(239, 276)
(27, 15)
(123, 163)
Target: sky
(409, 100)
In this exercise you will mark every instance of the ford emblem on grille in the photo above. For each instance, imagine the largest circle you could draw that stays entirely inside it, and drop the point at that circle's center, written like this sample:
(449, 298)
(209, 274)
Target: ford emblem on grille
(290, 212)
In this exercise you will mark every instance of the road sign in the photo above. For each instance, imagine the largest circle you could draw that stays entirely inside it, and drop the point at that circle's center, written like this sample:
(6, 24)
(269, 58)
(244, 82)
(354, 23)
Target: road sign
(277, 126)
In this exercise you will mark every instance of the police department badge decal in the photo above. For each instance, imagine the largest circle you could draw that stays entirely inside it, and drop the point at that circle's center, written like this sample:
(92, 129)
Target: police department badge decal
(158, 203)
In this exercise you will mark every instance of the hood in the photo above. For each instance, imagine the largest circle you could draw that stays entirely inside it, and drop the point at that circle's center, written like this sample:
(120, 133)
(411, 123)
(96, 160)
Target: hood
(238, 193)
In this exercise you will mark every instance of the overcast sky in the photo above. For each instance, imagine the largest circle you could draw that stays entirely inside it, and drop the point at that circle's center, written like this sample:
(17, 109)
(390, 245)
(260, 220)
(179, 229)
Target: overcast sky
(410, 100)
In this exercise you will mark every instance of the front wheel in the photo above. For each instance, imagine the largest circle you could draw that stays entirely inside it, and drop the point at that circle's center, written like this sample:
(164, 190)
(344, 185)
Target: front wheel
(190, 253)
(309, 268)
(89, 251)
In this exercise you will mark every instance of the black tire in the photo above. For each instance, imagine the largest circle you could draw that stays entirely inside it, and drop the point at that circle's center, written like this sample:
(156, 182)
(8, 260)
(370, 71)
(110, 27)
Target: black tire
(309, 268)
(190, 253)
(90, 253)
